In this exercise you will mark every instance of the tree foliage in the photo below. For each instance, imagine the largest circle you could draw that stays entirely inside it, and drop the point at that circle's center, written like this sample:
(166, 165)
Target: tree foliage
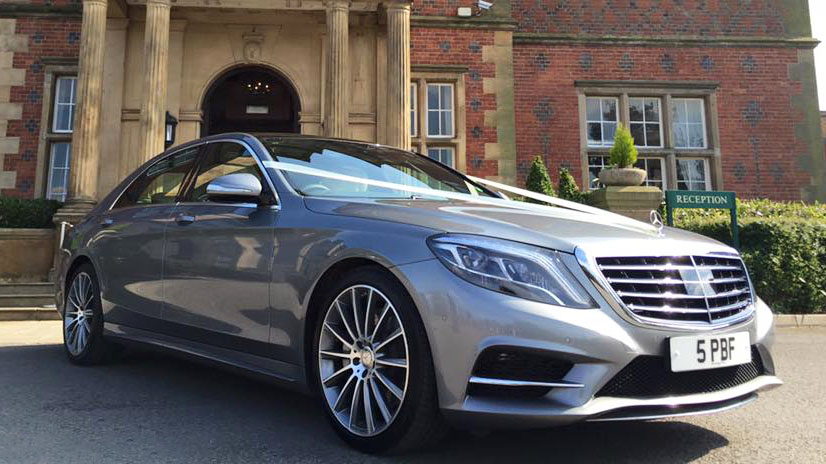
(538, 180)
(623, 153)
(567, 188)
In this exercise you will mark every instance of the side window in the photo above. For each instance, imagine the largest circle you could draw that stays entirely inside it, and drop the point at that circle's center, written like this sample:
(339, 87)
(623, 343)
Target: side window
(221, 159)
(161, 183)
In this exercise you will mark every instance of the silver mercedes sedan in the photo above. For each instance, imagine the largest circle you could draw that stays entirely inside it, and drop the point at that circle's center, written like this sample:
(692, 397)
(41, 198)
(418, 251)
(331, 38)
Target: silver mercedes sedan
(406, 296)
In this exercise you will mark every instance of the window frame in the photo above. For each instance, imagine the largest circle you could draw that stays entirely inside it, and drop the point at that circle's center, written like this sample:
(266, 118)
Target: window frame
(56, 104)
(443, 147)
(704, 123)
(601, 121)
(666, 92)
(414, 110)
(644, 159)
(54, 68)
(423, 75)
(645, 122)
(440, 110)
(51, 171)
(706, 167)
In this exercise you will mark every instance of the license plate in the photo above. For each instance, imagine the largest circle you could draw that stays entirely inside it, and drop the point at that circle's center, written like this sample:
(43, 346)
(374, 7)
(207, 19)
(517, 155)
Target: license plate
(698, 352)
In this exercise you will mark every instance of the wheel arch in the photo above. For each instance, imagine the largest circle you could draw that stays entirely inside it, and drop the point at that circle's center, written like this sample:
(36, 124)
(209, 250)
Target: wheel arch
(76, 262)
(314, 310)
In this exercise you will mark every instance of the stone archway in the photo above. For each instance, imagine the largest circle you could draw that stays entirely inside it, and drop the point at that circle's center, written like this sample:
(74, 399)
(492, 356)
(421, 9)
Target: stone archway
(253, 99)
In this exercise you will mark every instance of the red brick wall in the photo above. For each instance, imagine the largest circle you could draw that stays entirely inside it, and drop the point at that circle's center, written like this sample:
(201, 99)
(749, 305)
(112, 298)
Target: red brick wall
(48, 37)
(430, 46)
(651, 17)
(756, 115)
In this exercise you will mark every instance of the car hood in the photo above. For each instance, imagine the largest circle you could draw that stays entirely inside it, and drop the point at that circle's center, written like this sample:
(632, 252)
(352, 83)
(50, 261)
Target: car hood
(601, 234)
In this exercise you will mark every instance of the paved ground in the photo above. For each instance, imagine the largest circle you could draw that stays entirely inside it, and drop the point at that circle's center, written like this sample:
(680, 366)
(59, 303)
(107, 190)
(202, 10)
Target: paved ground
(155, 409)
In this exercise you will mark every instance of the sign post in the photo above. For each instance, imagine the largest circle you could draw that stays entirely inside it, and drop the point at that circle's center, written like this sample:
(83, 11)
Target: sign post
(703, 200)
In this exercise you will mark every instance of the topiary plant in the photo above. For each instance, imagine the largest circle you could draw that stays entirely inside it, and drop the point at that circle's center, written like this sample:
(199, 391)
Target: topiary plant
(568, 189)
(623, 153)
(538, 180)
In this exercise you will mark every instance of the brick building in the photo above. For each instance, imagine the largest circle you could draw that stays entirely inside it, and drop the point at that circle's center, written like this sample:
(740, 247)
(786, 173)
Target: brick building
(719, 95)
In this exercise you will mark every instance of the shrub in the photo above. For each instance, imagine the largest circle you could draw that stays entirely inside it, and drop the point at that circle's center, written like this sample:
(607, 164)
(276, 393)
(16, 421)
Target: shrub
(623, 153)
(19, 213)
(783, 245)
(568, 189)
(538, 180)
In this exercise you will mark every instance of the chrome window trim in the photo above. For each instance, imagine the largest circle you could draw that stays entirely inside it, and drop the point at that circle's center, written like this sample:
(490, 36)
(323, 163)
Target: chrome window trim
(201, 145)
(146, 168)
(589, 265)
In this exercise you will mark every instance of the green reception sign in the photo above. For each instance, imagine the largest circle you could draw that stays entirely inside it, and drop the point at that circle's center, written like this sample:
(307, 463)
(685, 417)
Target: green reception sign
(705, 200)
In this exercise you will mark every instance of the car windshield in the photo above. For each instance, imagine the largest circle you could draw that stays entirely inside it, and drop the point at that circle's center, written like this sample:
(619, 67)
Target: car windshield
(344, 164)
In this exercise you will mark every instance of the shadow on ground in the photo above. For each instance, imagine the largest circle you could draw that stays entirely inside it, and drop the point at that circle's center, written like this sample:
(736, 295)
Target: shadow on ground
(154, 408)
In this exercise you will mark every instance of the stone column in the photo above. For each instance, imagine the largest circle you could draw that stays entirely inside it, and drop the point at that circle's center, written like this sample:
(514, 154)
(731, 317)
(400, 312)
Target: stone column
(398, 74)
(155, 61)
(85, 157)
(337, 83)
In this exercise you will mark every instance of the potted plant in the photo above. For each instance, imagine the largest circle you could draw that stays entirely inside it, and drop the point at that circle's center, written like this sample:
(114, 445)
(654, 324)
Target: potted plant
(623, 157)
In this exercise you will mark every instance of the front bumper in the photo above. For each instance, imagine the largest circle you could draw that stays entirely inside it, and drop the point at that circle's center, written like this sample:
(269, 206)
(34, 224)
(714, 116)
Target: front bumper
(462, 320)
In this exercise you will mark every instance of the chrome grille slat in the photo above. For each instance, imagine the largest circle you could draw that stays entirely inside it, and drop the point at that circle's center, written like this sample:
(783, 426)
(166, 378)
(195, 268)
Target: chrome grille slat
(656, 267)
(738, 305)
(672, 296)
(667, 309)
(688, 290)
(673, 281)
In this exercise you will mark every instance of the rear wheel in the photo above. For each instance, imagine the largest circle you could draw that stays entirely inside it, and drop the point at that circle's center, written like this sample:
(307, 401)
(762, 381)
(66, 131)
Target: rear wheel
(373, 368)
(83, 319)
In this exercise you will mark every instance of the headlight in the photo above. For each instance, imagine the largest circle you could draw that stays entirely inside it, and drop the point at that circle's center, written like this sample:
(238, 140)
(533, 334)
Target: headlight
(512, 268)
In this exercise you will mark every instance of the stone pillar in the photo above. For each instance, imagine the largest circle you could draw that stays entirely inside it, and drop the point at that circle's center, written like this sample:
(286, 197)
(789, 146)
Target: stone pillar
(85, 157)
(337, 83)
(155, 61)
(398, 74)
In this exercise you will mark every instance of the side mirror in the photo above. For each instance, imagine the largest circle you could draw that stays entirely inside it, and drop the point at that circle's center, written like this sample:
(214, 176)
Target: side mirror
(240, 187)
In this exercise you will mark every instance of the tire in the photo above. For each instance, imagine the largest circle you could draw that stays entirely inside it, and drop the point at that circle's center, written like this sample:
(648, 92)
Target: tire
(372, 365)
(83, 339)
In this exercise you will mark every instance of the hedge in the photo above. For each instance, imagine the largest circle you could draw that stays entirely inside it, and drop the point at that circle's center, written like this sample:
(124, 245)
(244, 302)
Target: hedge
(783, 245)
(20, 213)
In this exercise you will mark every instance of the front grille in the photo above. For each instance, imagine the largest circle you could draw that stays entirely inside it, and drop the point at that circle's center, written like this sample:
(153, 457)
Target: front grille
(511, 363)
(651, 376)
(680, 288)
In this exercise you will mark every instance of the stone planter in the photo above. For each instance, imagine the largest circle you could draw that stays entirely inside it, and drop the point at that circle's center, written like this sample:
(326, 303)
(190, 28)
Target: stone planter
(622, 177)
(26, 255)
(634, 202)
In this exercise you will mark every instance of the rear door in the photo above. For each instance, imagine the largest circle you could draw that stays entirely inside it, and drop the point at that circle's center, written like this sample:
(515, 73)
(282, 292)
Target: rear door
(130, 244)
(218, 259)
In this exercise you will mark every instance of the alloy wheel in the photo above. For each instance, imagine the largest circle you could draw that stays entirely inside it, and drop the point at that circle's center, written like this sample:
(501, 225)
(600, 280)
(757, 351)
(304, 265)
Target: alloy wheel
(77, 319)
(363, 360)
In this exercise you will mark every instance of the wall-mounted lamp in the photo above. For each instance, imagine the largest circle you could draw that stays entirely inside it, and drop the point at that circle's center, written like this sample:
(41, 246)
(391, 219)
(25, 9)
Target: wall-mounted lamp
(169, 134)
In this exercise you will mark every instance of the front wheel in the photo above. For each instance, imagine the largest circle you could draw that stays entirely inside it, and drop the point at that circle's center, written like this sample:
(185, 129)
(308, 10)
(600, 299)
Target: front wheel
(373, 367)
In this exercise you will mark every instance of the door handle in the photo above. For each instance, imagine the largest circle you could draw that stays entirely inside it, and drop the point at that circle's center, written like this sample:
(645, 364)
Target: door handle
(106, 222)
(184, 219)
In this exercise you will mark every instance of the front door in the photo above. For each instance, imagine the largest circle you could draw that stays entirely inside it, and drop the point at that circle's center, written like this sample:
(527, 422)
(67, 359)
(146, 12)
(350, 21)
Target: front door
(218, 259)
(131, 241)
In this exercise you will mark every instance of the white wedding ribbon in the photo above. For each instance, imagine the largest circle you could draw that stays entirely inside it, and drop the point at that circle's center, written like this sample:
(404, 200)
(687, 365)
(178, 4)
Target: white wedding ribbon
(595, 214)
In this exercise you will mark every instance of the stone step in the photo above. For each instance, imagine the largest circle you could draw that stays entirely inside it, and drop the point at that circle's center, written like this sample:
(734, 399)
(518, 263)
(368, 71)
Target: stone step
(40, 313)
(26, 300)
(36, 288)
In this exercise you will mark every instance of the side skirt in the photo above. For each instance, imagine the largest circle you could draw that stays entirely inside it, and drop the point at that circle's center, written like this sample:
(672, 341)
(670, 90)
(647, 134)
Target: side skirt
(281, 373)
